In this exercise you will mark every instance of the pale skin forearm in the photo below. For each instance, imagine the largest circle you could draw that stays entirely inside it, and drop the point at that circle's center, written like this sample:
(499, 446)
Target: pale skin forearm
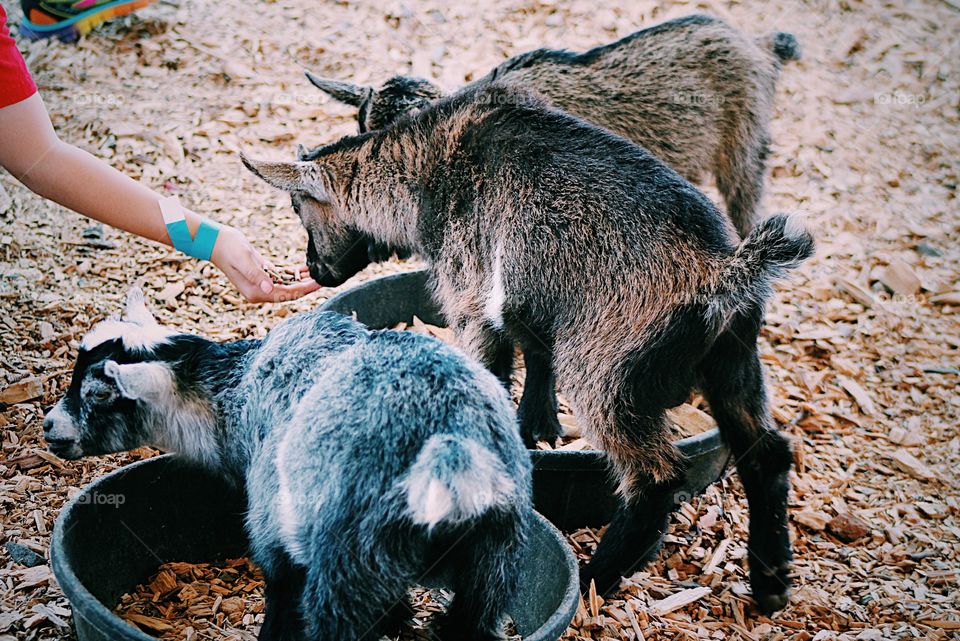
(33, 153)
(74, 178)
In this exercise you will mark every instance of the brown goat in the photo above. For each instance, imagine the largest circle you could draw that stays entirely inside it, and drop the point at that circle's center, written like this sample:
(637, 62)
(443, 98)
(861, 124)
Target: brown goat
(547, 231)
(694, 91)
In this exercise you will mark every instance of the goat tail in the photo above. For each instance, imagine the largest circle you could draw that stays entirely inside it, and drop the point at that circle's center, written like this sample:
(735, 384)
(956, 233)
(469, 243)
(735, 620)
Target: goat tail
(455, 479)
(776, 245)
(783, 45)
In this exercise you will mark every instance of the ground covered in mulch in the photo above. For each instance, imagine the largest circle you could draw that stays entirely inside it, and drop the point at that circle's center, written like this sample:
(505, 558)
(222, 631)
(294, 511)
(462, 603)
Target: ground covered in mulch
(861, 346)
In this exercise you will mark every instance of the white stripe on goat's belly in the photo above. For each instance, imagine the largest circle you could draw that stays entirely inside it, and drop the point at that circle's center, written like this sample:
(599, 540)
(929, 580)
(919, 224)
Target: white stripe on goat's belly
(493, 310)
(286, 505)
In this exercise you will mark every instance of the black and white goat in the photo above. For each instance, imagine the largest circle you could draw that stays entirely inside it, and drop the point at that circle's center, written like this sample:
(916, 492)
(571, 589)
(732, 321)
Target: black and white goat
(581, 246)
(367, 458)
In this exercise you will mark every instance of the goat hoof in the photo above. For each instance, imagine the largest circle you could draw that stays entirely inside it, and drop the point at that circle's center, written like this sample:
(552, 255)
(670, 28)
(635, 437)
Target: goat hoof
(771, 588)
(378, 253)
(770, 603)
(605, 582)
(540, 427)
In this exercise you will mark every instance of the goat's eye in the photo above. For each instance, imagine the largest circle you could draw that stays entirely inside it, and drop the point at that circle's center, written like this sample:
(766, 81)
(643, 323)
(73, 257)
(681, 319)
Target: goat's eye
(102, 395)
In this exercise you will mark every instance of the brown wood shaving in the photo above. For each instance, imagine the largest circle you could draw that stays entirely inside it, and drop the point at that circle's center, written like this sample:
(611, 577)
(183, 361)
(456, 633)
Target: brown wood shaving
(865, 134)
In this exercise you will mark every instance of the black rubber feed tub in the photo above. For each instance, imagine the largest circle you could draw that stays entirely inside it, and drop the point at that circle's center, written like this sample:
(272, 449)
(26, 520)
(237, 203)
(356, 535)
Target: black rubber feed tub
(116, 533)
(572, 489)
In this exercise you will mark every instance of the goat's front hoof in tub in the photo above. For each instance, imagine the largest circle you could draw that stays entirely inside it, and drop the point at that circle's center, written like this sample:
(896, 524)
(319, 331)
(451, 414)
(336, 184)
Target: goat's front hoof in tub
(539, 426)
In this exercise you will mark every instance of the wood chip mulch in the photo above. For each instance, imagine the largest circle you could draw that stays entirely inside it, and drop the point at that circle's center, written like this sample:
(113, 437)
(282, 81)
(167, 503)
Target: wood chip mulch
(198, 601)
(862, 344)
(193, 601)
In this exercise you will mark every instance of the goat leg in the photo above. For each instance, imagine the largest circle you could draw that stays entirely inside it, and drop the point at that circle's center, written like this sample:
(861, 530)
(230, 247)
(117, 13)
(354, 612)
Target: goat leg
(633, 538)
(283, 591)
(537, 412)
(733, 383)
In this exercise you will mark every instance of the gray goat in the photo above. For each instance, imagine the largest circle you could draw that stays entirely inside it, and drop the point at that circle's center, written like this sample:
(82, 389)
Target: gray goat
(367, 457)
(547, 231)
(694, 91)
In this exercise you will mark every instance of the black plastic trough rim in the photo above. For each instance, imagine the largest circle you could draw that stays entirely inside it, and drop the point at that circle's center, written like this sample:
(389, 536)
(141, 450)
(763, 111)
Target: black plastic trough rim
(559, 460)
(85, 605)
(554, 627)
(90, 608)
(577, 460)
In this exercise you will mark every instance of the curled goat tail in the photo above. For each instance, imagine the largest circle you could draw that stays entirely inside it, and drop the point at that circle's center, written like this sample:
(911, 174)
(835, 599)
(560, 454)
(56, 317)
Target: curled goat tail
(454, 480)
(782, 44)
(778, 244)
(775, 246)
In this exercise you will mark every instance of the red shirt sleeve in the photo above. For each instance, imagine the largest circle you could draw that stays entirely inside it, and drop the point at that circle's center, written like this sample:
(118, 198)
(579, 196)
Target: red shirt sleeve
(15, 81)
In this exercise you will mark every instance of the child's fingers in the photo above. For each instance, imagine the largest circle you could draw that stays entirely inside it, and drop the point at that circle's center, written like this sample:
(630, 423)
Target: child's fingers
(286, 275)
(259, 278)
(294, 291)
(302, 271)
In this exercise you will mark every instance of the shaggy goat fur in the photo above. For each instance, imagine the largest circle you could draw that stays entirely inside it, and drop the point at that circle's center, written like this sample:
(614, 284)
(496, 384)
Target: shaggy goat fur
(581, 246)
(368, 458)
(694, 91)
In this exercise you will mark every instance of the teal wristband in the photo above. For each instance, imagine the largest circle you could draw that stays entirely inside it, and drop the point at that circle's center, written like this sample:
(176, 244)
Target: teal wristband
(180, 235)
(205, 239)
(201, 245)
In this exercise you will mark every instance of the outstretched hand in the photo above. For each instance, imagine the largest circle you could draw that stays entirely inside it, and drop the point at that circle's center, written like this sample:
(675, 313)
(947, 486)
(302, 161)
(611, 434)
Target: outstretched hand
(247, 270)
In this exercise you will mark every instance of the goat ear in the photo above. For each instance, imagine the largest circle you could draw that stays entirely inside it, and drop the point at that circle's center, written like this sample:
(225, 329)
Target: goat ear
(282, 175)
(289, 176)
(343, 91)
(136, 309)
(149, 381)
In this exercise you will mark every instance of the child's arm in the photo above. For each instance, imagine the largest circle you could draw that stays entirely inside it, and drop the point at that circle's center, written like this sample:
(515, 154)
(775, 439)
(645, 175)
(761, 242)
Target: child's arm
(31, 151)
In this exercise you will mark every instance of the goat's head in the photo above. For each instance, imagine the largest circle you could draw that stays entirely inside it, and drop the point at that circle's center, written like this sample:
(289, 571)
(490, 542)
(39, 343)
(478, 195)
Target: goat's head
(335, 251)
(117, 384)
(378, 108)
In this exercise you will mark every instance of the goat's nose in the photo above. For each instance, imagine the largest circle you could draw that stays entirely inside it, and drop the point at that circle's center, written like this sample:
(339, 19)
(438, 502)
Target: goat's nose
(57, 425)
(319, 272)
